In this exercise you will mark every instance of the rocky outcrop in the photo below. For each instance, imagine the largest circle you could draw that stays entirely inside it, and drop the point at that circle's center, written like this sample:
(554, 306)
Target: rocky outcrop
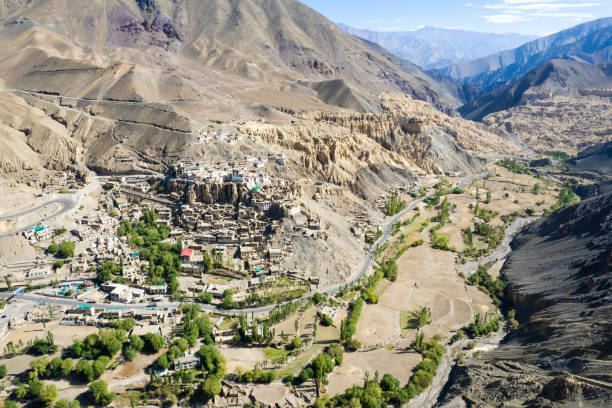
(559, 277)
(597, 159)
(557, 123)
(216, 193)
(409, 135)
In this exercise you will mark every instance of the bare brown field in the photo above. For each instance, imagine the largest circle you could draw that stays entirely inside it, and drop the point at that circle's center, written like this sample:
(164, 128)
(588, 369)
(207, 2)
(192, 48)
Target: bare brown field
(396, 362)
(376, 324)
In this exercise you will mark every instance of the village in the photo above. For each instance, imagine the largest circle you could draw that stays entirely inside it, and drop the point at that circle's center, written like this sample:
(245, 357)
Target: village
(214, 241)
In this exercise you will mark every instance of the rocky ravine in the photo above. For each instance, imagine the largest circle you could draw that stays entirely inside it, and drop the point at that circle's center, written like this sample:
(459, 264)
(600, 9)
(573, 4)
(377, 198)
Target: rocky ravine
(559, 279)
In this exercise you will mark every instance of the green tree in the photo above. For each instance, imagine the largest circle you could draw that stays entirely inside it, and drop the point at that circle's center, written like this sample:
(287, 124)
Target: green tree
(163, 362)
(62, 403)
(213, 362)
(53, 248)
(389, 383)
(228, 299)
(205, 297)
(2, 370)
(421, 317)
(136, 342)
(66, 249)
(38, 367)
(211, 387)
(106, 272)
(66, 367)
(208, 266)
(153, 342)
(8, 282)
(98, 391)
(129, 353)
(321, 366)
(34, 387)
(85, 370)
(10, 404)
(99, 366)
(21, 392)
(48, 394)
(296, 343)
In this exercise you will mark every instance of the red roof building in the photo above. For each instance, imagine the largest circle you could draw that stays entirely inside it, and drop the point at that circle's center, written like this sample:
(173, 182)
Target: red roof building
(186, 254)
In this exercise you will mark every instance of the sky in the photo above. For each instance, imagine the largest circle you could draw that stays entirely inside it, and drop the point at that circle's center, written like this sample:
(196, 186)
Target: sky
(530, 17)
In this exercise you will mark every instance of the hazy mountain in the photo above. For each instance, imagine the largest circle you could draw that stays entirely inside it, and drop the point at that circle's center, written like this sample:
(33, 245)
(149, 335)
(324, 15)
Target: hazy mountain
(589, 42)
(556, 77)
(433, 48)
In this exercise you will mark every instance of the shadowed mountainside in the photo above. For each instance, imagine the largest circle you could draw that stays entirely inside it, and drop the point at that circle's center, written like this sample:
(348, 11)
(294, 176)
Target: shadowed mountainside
(559, 277)
(556, 77)
(589, 42)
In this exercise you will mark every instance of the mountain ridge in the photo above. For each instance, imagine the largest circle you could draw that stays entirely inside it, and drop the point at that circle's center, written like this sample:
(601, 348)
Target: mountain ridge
(433, 48)
(555, 77)
(589, 42)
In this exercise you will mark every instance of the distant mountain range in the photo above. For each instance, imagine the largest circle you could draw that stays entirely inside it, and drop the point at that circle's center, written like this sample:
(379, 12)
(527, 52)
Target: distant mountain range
(433, 48)
(556, 77)
(589, 42)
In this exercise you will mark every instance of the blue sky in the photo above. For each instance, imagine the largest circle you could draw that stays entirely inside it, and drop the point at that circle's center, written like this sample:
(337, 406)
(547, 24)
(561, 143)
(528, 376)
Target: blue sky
(534, 17)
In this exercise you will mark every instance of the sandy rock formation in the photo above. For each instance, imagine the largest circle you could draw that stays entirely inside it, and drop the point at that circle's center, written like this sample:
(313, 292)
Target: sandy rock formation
(409, 135)
(560, 123)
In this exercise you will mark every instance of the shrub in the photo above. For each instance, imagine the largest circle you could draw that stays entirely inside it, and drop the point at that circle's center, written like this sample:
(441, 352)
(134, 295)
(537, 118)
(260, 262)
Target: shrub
(53, 248)
(205, 297)
(99, 393)
(389, 383)
(153, 342)
(395, 204)
(422, 379)
(348, 327)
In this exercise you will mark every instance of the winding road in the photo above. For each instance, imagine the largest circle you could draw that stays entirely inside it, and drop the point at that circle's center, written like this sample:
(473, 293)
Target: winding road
(369, 259)
(68, 202)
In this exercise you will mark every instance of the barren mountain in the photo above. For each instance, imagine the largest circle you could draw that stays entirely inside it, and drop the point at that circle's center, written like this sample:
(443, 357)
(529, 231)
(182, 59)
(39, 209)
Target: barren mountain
(366, 151)
(254, 42)
(136, 78)
(589, 42)
(596, 158)
(556, 77)
(559, 277)
(563, 123)
(434, 48)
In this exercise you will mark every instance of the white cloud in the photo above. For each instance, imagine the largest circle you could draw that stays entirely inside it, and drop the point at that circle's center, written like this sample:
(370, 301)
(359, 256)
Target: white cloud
(570, 16)
(541, 6)
(529, 1)
(506, 18)
(513, 11)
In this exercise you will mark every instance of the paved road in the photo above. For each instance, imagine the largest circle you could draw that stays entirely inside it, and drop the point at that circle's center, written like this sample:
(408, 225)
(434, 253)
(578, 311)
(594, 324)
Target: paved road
(14, 310)
(255, 310)
(68, 202)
